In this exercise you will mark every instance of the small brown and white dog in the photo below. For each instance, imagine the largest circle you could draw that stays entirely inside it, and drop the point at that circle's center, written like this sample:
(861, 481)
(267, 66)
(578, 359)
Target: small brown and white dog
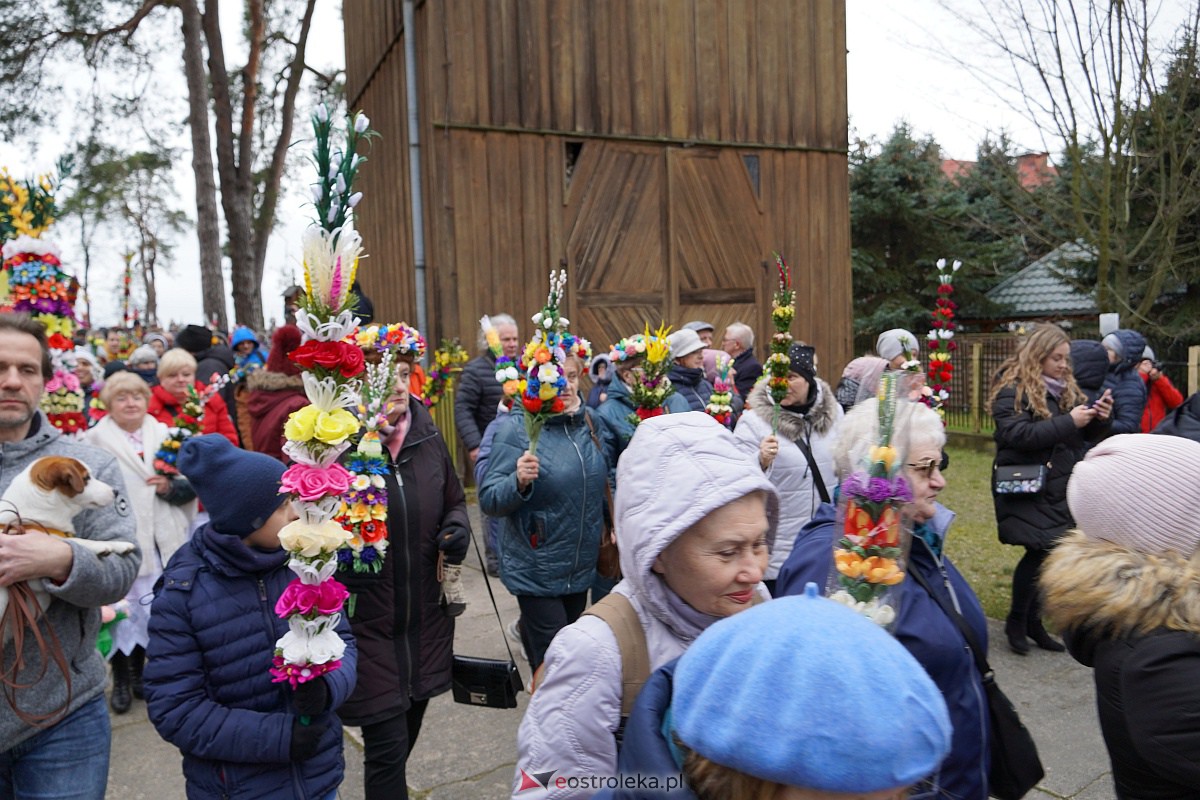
(44, 499)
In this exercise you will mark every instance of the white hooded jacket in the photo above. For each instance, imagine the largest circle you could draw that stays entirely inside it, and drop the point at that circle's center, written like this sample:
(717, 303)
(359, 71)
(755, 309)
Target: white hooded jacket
(677, 469)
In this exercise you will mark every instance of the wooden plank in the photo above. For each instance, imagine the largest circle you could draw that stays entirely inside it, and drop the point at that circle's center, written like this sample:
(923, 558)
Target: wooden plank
(771, 77)
(733, 294)
(550, 151)
(707, 30)
(600, 46)
(620, 47)
(643, 105)
(562, 64)
(533, 42)
(584, 69)
(680, 66)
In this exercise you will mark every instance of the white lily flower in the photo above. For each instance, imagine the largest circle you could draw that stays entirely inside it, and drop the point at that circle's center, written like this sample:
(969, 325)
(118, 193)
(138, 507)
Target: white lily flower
(322, 113)
(354, 199)
(316, 194)
(340, 183)
(537, 318)
(298, 451)
(941, 264)
(328, 395)
(315, 571)
(299, 646)
(315, 512)
(957, 264)
(547, 323)
(361, 123)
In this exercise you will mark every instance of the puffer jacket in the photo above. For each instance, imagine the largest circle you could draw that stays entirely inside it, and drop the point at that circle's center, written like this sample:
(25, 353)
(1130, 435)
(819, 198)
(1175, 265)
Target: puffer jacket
(692, 386)
(790, 473)
(932, 637)
(1089, 365)
(1183, 421)
(574, 714)
(273, 397)
(213, 629)
(164, 407)
(1038, 520)
(476, 399)
(1161, 398)
(616, 409)
(551, 534)
(405, 637)
(74, 612)
(1128, 390)
(1135, 620)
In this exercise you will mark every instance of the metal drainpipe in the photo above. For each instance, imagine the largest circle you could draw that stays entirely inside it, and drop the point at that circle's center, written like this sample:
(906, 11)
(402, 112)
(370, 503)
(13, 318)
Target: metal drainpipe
(414, 168)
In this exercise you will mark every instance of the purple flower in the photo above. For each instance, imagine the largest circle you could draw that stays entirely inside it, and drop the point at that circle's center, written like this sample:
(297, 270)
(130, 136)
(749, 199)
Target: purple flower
(878, 490)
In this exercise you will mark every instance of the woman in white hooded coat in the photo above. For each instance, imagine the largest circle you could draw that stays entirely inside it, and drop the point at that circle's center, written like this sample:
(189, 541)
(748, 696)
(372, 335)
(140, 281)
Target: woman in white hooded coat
(808, 417)
(694, 520)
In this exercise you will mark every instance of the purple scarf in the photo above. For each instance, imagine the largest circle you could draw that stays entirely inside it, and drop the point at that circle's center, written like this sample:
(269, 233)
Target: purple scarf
(1054, 386)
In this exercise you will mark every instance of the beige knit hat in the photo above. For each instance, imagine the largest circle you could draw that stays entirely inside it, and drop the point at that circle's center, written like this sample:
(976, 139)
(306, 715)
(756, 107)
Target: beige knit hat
(1140, 491)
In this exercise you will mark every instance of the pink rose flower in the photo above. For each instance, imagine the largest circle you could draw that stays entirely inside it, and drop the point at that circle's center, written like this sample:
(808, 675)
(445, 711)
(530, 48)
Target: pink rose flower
(309, 482)
(323, 599)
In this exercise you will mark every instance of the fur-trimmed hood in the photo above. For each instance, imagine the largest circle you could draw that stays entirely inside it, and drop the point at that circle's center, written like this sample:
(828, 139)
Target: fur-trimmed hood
(819, 419)
(264, 380)
(1107, 591)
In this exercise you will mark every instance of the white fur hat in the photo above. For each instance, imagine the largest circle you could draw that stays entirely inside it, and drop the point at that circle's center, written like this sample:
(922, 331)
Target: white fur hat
(1140, 491)
(894, 342)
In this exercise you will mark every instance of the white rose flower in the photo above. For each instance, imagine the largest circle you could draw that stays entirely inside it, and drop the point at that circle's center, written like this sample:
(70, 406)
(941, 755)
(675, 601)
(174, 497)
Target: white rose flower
(310, 540)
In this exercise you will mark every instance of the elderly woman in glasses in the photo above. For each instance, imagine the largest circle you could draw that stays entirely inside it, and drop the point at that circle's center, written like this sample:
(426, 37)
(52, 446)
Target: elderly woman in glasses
(921, 625)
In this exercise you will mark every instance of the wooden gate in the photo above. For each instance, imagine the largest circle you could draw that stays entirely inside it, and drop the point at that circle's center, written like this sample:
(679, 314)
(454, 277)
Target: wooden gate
(678, 230)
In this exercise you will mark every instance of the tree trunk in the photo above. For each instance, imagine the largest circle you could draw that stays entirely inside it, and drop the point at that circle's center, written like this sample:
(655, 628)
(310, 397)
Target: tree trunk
(208, 229)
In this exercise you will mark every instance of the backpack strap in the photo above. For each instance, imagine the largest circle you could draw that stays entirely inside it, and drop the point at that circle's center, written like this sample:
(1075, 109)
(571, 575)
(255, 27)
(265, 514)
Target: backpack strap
(616, 610)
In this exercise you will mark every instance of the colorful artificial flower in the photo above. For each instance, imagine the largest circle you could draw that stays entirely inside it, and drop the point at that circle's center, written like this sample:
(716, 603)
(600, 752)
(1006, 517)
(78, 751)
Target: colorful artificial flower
(544, 380)
(941, 339)
(720, 402)
(448, 361)
(651, 386)
(779, 364)
(869, 554)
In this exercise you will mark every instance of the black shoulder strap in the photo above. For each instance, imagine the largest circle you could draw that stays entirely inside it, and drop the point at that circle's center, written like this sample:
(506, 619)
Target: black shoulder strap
(492, 597)
(802, 443)
(969, 635)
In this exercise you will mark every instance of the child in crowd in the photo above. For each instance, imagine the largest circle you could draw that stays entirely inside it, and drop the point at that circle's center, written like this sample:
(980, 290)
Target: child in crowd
(213, 629)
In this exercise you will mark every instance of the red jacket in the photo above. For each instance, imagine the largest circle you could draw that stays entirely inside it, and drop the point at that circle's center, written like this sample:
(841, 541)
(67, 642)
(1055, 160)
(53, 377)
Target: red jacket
(1161, 398)
(164, 408)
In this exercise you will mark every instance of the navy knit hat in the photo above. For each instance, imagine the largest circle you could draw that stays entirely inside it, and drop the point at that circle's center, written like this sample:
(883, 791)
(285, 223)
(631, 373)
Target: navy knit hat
(789, 690)
(194, 338)
(803, 360)
(239, 489)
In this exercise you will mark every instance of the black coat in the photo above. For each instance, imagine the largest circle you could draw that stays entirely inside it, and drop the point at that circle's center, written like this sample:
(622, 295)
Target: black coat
(1038, 520)
(747, 372)
(1183, 421)
(476, 399)
(1089, 364)
(405, 639)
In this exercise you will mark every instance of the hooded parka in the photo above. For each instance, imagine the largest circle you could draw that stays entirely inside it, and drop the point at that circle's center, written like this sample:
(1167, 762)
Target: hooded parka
(1134, 619)
(570, 725)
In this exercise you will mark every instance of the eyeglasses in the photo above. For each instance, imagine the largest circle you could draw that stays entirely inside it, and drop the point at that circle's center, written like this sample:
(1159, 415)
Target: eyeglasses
(928, 465)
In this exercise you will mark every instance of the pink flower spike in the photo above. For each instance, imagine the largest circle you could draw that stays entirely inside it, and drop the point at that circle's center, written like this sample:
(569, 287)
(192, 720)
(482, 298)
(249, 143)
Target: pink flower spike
(335, 283)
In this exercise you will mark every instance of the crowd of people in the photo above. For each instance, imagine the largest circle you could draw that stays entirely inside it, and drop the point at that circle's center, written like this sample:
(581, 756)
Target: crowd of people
(711, 656)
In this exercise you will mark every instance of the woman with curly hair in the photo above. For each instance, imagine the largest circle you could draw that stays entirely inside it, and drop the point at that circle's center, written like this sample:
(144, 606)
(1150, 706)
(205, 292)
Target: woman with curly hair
(1042, 418)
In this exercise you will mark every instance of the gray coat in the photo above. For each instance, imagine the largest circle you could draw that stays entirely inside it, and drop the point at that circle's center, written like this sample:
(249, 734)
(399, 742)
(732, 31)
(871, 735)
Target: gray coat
(93, 581)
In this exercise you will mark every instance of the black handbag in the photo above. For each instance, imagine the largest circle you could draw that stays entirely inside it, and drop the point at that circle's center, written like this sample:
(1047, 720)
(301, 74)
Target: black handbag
(487, 682)
(1016, 767)
(1019, 478)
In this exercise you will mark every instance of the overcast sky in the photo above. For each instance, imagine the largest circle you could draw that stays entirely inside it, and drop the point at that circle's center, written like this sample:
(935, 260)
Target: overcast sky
(900, 67)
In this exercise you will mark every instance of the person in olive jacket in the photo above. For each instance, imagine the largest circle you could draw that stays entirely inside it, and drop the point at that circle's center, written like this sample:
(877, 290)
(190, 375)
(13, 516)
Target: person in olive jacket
(401, 620)
(1123, 588)
(1042, 419)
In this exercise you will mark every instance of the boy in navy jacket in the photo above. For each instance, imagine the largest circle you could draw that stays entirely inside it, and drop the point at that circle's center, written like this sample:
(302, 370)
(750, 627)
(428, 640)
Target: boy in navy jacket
(213, 629)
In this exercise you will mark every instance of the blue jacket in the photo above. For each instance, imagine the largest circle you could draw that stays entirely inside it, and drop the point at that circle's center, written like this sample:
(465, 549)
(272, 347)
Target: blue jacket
(213, 630)
(616, 410)
(551, 534)
(644, 749)
(1128, 388)
(932, 637)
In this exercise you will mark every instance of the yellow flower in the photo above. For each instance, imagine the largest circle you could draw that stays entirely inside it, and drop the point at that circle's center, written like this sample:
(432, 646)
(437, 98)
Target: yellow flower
(547, 391)
(658, 349)
(885, 455)
(300, 425)
(335, 427)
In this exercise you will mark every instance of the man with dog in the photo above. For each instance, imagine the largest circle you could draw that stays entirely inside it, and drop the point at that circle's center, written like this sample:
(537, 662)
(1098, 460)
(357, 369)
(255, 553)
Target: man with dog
(54, 728)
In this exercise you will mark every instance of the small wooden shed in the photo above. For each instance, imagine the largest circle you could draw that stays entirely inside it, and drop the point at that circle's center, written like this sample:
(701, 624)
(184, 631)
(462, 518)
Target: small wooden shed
(661, 148)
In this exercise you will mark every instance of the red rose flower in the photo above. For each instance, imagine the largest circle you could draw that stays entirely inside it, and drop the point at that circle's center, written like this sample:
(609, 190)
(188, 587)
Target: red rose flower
(352, 362)
(532, 404)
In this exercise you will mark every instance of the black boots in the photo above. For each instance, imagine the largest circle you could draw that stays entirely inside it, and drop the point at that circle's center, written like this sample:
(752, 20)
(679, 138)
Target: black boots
(1014, 629)
(1042, 638)
(121, 697)
(137, 660)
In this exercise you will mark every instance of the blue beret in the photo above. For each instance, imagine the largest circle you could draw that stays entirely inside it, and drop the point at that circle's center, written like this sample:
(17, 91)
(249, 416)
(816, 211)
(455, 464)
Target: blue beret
(804, 692)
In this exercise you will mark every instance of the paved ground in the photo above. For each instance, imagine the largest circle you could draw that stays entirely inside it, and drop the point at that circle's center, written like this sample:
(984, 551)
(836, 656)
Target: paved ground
(467, 753)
